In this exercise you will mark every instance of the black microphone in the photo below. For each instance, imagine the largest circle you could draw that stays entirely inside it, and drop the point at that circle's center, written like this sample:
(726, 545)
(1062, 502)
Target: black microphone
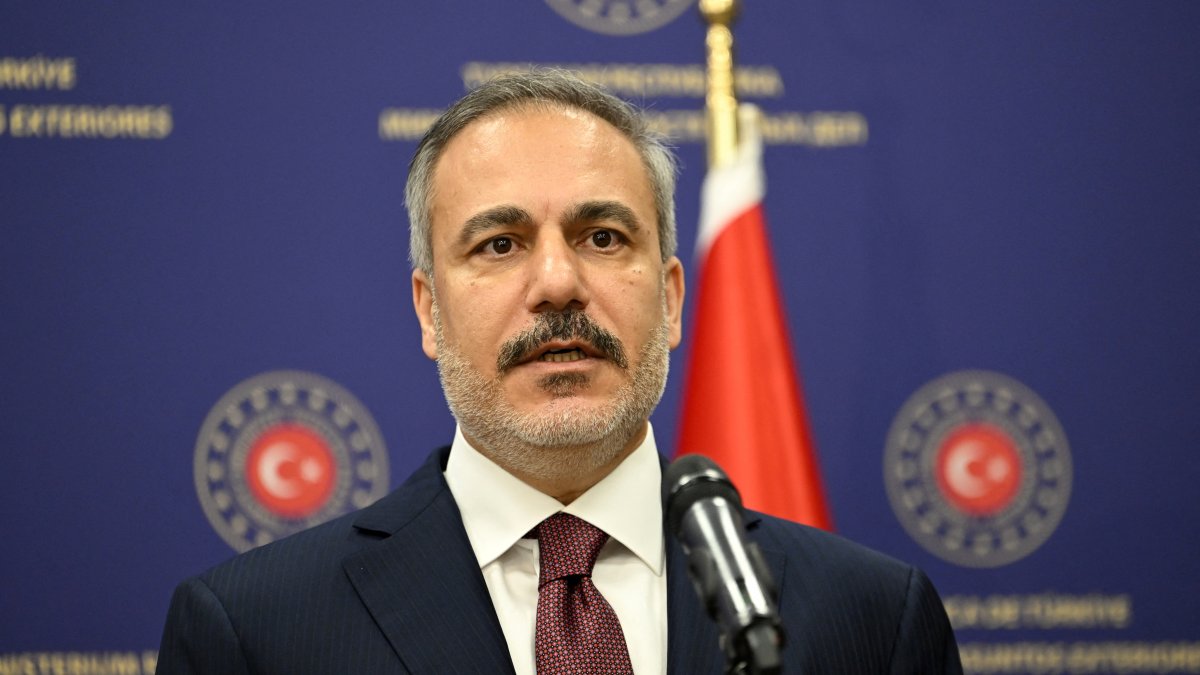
(704, 512)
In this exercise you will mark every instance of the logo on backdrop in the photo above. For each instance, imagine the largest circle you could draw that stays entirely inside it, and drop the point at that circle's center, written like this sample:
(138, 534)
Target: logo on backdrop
(977, 469)
(620, 17)
(283, 451)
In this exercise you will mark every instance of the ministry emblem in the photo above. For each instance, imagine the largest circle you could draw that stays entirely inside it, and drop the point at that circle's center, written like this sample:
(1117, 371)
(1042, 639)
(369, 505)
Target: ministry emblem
(283, 451)
(977, 469)
(620, 17)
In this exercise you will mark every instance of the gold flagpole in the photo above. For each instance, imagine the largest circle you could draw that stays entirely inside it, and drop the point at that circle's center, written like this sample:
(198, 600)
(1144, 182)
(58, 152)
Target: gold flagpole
(720, 99)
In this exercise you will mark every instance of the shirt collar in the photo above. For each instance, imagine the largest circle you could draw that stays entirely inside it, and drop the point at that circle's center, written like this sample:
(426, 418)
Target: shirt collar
(498, 509)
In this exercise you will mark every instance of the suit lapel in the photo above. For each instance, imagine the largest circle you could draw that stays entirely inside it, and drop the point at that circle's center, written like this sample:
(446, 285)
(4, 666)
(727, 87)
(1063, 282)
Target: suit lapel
(692, 637)
(421, 583)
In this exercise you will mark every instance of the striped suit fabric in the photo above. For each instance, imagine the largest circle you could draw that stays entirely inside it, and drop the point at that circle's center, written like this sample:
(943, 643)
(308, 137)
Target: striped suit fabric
(394, 588)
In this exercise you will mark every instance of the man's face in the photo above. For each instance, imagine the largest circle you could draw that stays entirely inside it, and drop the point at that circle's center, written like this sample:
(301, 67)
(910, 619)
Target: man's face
(551, 311)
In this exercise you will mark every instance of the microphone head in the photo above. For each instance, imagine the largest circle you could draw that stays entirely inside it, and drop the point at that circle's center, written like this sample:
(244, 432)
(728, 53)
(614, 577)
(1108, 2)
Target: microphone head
(689, 479)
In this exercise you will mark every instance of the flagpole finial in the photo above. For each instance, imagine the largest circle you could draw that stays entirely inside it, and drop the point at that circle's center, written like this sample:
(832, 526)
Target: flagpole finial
(720, 98)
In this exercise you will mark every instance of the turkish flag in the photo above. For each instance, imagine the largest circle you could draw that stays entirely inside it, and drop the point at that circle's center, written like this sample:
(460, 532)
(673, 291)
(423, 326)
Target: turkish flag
(742, 404)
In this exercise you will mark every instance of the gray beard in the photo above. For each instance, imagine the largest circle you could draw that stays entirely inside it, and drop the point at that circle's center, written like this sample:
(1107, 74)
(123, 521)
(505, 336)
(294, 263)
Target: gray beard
(555, 443)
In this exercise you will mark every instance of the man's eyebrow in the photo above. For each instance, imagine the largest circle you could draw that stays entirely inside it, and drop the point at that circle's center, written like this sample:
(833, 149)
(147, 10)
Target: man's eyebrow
(603, 210)
(505, 215)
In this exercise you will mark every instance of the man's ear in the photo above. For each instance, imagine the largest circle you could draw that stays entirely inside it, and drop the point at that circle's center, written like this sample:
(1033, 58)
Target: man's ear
(673, 287)
(423, 305)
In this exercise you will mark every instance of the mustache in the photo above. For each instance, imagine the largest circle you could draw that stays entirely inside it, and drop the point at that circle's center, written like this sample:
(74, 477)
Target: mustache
(572, 324)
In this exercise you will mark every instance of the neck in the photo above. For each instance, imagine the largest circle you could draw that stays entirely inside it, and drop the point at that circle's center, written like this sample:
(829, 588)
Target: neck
(563, 473)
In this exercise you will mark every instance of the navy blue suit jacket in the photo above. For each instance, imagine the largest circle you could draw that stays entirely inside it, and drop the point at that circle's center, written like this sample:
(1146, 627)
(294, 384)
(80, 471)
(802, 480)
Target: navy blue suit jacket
(395, 588)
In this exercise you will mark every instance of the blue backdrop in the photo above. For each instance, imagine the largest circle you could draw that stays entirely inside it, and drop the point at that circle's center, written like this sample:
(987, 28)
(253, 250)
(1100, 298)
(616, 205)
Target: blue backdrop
(192, 195)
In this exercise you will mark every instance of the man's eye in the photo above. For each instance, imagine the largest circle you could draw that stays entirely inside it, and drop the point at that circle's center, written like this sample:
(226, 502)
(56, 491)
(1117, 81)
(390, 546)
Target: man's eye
(500, 245)
(602, 238)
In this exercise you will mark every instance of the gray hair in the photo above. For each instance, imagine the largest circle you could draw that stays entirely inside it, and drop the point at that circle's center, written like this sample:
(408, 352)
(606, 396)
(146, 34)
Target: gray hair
(547, 88)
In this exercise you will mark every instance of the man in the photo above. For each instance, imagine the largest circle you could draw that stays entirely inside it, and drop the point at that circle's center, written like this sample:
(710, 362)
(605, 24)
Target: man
(547, 290)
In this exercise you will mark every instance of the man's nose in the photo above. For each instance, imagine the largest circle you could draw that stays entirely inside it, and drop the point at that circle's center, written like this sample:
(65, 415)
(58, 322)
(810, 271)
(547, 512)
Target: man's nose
(557, 277)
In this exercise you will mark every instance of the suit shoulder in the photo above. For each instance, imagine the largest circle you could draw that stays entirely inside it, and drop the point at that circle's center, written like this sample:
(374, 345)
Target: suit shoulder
(316, 555)
(295, 561)
(830, 564)
(846, 596)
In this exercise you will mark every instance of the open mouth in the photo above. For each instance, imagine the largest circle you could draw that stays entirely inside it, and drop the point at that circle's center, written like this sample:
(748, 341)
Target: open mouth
(563, 355)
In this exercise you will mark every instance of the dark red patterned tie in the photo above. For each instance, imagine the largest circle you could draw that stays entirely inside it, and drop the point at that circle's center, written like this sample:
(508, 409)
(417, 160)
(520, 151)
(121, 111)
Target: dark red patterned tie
(577, 630)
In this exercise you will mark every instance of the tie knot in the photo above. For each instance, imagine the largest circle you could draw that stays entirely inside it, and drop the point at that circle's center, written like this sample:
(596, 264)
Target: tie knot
(567, 546)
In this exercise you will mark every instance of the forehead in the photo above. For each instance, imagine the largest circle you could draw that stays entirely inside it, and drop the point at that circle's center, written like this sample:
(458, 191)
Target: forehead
(537, 153)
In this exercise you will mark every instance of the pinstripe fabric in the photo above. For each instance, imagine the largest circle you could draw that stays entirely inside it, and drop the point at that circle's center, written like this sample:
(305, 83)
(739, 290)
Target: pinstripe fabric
(396, 589)
(848, 609)
(392, 589)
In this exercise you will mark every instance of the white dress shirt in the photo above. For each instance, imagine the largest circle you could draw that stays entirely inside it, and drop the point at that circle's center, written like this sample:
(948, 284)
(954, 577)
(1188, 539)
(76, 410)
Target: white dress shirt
(498, 510)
